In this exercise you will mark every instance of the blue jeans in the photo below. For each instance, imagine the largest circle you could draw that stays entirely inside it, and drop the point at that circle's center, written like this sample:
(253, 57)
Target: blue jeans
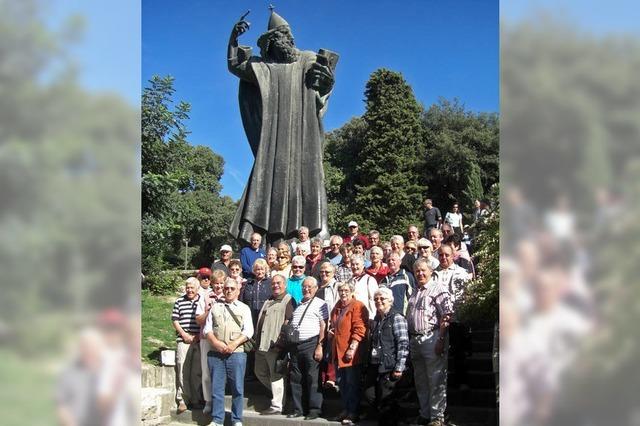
(221, 368)
(349, 382)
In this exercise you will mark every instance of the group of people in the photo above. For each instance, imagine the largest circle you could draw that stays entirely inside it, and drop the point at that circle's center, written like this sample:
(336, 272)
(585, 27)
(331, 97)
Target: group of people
(353, 314)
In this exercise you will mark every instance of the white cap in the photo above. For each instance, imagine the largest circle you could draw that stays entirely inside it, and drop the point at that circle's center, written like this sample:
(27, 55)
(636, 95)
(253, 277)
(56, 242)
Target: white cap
(352, 223)
(226, 247)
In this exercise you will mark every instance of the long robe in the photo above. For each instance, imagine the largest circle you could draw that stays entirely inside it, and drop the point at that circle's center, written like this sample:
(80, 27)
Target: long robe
(282, 120)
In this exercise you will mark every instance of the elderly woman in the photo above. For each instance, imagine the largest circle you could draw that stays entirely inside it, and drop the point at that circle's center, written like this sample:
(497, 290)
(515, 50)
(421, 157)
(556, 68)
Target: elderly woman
(348, 327)
(284, 261)
(378, 269)
(257, 290)
(275, 311)
(272, 257)
(365, 284)
(425, 250)
(314, 258)
(294, 283)
(343, 270)
(388, 355)
(235, 273)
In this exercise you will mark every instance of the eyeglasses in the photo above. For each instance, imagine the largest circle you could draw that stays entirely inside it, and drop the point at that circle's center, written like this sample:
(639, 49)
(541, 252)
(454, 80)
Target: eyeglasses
(379, 299)
(424, 247)
(229, 288)
(325, 272)
(297, 267)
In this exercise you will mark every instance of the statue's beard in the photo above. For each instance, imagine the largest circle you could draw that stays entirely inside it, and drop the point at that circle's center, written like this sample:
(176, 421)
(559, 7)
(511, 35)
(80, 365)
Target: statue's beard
(283, 52)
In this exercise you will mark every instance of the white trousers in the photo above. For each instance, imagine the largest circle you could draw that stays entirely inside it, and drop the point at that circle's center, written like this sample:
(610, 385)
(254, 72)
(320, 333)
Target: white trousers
(188, 372)
(205, 347)
(265, 370)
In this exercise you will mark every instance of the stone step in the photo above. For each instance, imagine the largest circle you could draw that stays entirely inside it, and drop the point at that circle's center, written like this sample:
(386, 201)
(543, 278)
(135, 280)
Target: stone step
(253, 418)
(154, 376)
(475, 379)
(477, 362)
(467, 416)
(156, 405)
(472, 397)
(482, 335)
(480, 346)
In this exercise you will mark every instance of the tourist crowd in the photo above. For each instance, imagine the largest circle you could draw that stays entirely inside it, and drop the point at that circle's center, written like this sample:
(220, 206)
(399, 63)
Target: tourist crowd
(352, 314)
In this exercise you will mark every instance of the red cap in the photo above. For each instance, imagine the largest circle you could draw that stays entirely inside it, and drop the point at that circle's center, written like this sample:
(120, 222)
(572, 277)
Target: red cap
(204, 272)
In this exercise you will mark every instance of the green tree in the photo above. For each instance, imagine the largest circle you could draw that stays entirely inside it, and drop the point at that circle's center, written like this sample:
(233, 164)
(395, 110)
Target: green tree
(462, 154)
(387, 182)
(180, 185)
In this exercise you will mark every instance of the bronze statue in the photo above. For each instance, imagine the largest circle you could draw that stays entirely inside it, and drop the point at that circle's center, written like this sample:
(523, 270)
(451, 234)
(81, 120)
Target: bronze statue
(283, 95)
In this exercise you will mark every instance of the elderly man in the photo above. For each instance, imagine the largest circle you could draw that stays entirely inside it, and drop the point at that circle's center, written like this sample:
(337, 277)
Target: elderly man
(454, 278)
(226, 253)
(188, 370)
(227, 327)
(205, 302)
(294, 283)
(334, 255)
(303, 240)
(283, 95)
(412, 233)
(354, 232)
(432, 216)
(430, 310)
(365, 285)
(275, 311)
(310, 319)
(388, 354)
(374, 237)
(397, 246)
(249, 254)
(435, 236)
(400, 282)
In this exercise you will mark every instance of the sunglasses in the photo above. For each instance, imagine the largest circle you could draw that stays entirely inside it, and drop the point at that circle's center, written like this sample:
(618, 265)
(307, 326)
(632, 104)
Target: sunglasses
(424, 247)
(297, 267)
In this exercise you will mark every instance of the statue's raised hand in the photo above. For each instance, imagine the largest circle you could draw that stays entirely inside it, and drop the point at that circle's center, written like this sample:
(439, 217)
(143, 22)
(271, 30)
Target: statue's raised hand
(240, 28)
(320, 78)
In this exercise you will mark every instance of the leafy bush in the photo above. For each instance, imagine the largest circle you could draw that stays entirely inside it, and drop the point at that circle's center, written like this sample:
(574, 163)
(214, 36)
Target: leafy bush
(482, 294)
(164, 283)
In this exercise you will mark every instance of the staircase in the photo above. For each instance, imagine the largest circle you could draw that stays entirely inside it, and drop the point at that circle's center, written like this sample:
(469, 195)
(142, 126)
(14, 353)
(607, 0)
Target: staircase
(475, 406)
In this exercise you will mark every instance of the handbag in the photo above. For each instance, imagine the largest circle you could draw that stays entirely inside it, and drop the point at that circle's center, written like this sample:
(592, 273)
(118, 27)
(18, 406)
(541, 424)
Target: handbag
(250, 344)
(290, 332)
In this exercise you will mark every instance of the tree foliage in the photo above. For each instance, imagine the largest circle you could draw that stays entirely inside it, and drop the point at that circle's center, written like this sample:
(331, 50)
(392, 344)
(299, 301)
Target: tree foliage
(180, 186)
(380, 166)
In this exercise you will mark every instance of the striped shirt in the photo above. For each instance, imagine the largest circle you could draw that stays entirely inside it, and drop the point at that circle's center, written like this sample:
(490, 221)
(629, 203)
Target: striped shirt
(184, 311)
(310, 326)
(427, 306)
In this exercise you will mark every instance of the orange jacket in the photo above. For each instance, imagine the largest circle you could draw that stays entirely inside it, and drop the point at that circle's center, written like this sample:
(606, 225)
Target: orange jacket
(348, 326)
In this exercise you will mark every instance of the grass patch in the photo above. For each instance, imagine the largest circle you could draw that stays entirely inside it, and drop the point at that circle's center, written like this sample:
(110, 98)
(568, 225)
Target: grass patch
(27, 391)
(157, 331)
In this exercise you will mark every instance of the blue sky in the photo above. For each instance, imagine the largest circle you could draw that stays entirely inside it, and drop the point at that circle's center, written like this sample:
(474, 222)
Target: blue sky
(443, 49)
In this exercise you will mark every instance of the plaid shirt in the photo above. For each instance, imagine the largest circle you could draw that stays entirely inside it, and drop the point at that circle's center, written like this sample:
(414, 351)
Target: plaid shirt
(343, 273)
(400, 335)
